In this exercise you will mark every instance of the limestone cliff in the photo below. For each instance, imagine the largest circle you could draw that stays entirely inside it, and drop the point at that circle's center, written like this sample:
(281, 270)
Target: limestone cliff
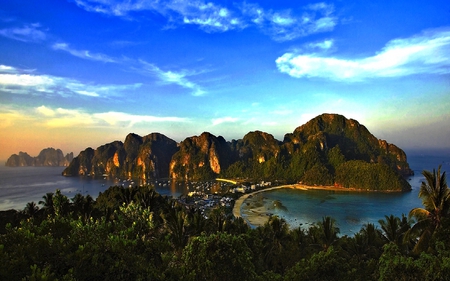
(145, 157)
(201, 157)
(353, 139)
(48, 157)
(313, 153)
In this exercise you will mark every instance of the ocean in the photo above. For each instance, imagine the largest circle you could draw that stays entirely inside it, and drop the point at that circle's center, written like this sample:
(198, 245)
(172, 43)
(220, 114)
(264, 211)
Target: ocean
(20, 185)
(351, 210)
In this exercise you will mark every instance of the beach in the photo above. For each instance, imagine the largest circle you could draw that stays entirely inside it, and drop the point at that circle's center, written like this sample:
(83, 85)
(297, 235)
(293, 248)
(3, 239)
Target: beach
(257, 215)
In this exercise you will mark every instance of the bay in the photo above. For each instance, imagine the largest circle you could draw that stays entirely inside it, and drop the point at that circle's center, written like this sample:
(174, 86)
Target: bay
(351, 210)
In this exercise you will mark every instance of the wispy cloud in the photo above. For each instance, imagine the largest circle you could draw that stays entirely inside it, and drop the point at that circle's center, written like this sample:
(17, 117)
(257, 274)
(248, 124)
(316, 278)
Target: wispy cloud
(17, 81)
(26, 33)
(425, 53)
(84, 54)
(285, 25)
(166, 77)
(282, 25)
(9, 115)
(63, 117)
(227, 119)
(172, 77)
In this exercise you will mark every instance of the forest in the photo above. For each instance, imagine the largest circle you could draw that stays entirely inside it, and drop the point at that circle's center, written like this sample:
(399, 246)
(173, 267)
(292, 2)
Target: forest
(137, 234)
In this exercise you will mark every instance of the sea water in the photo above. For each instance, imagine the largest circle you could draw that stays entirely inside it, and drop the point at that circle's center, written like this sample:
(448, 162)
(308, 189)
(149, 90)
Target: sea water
(351, 210)
(20, 185)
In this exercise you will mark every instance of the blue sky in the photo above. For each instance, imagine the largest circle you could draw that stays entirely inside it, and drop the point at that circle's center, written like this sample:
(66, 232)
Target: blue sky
(83, 73)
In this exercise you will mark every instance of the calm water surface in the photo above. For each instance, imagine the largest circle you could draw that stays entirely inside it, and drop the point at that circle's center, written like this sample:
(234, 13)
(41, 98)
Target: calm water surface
(20, 185)
(351, 210)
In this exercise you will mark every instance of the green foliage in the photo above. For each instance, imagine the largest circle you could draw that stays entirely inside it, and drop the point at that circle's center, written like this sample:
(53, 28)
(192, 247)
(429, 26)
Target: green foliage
(325, 265)
(136, 234)
(218, 256)
(370, 176)
(317, 175)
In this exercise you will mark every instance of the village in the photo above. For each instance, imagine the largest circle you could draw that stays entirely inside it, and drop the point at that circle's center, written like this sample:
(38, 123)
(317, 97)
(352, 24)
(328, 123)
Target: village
(205, 198)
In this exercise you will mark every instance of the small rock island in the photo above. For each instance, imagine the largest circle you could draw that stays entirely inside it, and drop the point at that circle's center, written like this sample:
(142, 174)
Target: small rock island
(48, 157)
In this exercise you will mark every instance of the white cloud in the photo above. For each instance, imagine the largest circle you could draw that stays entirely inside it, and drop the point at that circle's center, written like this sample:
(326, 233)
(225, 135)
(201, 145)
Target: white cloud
(171, 77)
(228, 119)
(33, 84)
(63, 117)
(26, 80)
(428, 52)
(84, 54)
(27, 33)
(284, 26)
(115, 118)
(325, 45)
(46, 111)
(280, 25)
(7, 69)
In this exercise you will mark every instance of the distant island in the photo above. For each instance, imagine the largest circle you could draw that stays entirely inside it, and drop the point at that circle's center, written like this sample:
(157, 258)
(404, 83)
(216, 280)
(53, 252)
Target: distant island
(48, 157)
(329, 150)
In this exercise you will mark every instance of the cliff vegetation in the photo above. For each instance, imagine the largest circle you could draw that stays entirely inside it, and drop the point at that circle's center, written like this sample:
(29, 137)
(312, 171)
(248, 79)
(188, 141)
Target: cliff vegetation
(328, 150)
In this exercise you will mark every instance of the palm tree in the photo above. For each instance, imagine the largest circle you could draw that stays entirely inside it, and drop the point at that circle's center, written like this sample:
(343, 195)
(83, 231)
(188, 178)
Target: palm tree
(330, 232)
(175, 221)
(324, 233)
(47, 203)
(275, 236)
(31, 209)
(82, 205)
(60, 203)
(78, 202)
(435, 196)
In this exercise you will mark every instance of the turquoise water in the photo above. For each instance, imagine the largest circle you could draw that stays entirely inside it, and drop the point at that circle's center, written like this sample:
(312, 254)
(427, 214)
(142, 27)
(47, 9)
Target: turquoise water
(351, 210)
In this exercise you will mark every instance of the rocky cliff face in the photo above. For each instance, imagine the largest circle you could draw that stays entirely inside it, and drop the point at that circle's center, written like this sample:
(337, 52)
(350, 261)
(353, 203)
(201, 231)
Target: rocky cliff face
(313, 150)
(353, 139)
(145, 157)
(49, 157)
(201, 156)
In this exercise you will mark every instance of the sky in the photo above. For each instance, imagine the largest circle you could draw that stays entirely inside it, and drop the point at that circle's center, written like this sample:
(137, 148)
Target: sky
(82, 73)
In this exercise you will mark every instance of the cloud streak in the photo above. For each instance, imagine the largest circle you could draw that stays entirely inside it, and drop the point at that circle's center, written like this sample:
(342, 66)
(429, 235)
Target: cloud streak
(27, 33)
(227, 119)
(83, 54)
(286, 26)
(172, 77)
(63, 117)
(425, 53)
(280, 25)
(145, 68)
(16, 81)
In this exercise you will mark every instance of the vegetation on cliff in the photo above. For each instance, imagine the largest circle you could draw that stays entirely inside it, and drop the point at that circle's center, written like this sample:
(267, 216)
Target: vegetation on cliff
(47, 157)
(137, 234)
(138, 157)
(312, 154)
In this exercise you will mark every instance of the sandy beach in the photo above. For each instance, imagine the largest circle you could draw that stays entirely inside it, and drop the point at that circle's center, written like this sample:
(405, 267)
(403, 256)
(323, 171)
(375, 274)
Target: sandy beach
(258, 217)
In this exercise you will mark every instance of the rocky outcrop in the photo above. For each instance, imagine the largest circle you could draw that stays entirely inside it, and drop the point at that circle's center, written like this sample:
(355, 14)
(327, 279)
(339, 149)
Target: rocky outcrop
(48, 157)
(353, 139)
(145, 157)
(312, 152)
(201, 157)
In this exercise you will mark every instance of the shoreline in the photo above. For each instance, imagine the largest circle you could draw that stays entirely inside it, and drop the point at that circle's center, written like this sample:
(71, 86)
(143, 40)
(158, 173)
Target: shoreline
(259, 220)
